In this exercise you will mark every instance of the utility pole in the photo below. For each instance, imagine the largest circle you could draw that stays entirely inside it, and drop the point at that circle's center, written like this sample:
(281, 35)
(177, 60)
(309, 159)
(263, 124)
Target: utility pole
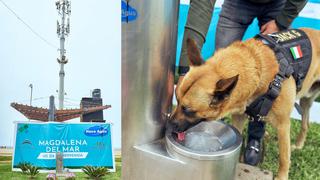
(63, 29)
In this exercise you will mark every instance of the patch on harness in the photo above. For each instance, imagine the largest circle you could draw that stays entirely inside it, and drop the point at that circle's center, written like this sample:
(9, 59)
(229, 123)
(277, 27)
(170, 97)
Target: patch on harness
(285, 36)
(296, 52)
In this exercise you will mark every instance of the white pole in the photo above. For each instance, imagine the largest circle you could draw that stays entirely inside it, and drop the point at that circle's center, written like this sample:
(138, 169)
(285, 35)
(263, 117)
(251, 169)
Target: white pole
(63, 7)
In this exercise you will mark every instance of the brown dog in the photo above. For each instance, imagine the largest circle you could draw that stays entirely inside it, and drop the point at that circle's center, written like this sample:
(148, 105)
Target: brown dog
(235, 76)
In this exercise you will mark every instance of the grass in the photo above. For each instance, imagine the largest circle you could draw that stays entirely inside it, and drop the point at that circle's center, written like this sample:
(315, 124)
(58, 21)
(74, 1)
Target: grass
(7, 174)
(304, 162)
(5, 158)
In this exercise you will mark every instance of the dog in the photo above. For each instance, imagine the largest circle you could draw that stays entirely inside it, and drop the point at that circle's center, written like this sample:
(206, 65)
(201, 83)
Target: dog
(233, 78)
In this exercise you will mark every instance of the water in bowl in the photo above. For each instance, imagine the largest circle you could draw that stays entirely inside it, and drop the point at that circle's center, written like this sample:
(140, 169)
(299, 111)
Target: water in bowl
(202, 141)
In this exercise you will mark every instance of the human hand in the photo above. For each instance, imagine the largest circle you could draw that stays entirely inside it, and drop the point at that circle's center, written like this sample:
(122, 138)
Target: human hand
(269, 27)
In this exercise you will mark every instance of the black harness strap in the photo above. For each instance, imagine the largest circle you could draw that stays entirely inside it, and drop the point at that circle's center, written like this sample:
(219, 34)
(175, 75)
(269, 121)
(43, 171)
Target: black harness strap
(261, 106)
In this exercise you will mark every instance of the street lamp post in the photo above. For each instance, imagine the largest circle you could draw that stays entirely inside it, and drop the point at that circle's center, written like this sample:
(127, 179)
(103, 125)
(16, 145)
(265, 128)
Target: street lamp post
(31, 89)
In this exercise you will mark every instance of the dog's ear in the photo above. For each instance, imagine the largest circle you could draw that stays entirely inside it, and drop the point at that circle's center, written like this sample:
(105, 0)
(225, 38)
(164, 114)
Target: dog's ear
(223, 89)
(226, 85)
(193, 53)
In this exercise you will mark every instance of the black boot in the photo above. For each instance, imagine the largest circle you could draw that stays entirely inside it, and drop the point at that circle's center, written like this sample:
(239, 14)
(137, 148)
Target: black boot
(253, 152)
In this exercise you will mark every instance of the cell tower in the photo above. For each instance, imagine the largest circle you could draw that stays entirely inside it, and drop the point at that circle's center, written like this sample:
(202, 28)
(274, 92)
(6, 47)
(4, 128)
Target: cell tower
(63, 29)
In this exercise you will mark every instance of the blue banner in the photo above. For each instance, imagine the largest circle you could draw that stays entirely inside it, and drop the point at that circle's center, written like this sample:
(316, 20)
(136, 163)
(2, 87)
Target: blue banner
(81, 144)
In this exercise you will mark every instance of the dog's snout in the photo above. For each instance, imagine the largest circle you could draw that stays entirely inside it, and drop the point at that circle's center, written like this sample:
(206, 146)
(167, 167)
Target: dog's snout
(179, 126)
(174, 125)
(183, 125)
(178, 122)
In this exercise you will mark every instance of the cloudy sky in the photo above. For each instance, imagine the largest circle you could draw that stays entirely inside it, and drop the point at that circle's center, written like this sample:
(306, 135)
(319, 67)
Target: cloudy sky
(93, 50)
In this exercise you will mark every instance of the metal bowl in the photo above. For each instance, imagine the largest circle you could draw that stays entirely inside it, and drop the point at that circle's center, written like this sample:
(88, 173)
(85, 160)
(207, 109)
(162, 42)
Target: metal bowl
(208, 140)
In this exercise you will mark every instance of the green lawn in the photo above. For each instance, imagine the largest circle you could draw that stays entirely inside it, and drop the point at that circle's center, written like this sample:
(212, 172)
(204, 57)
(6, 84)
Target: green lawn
(6, 174)
(5, 158)
(305, 163)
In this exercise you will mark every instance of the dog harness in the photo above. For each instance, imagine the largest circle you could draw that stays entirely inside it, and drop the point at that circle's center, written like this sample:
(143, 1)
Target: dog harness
(293, 51)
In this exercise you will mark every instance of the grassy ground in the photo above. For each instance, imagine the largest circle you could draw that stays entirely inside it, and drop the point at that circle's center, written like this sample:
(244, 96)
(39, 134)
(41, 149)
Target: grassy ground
(6, 174)
(305, 162)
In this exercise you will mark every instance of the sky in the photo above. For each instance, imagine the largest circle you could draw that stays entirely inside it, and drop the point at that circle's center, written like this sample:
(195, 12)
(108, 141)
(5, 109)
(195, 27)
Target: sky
(93, 49)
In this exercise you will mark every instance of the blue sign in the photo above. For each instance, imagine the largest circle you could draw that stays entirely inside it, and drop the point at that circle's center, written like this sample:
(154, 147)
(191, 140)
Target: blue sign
(128, 13)
(81, 144)
(96, 131)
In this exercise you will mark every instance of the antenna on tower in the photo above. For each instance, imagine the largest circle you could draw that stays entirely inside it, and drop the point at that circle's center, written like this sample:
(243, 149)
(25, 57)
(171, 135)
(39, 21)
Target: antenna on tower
(63, 30)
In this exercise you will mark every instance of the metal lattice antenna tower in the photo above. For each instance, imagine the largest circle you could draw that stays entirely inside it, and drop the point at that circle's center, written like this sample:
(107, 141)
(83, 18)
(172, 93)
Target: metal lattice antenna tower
(63, 29)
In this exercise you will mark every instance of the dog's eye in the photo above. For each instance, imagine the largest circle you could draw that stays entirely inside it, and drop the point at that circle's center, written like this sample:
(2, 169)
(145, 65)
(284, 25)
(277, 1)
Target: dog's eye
(188, 111)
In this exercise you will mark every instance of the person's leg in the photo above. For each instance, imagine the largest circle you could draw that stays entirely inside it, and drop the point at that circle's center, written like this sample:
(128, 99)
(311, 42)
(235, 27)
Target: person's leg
(235, 17)
(256, 129)
(253, 153)
(199, 18)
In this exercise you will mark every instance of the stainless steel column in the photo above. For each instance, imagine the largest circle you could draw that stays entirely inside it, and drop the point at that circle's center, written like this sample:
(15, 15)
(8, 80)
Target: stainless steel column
(148, 57)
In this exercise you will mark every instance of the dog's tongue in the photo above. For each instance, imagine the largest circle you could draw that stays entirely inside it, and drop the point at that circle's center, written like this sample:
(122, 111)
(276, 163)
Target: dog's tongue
(181, 136)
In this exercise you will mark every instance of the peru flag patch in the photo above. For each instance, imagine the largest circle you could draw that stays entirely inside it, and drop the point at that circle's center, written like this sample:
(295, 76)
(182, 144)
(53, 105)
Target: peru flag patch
(296, 52)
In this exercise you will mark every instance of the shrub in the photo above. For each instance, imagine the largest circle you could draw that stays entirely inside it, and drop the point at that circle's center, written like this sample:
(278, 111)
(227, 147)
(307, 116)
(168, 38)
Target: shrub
(95, 172)
(24, 166)
(33, 171)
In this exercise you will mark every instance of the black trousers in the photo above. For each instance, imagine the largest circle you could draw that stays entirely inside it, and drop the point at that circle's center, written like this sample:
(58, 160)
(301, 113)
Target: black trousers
(256, 130)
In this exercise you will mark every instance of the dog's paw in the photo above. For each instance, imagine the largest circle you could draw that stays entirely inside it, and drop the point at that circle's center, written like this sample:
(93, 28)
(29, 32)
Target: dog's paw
(280, 178)
(296, 147)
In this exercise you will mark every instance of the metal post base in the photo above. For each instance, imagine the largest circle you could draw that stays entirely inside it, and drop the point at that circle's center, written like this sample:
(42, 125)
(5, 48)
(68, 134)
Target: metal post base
(154, 162)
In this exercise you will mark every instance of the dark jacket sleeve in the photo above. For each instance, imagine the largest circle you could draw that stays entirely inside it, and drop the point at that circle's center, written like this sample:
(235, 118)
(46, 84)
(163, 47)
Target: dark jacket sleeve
(199, 18)
(290, 11)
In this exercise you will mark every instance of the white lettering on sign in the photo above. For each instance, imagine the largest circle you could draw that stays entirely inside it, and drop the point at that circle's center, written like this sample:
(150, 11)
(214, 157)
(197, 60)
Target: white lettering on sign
(53, 146)
(76, 155)
(71, 142)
